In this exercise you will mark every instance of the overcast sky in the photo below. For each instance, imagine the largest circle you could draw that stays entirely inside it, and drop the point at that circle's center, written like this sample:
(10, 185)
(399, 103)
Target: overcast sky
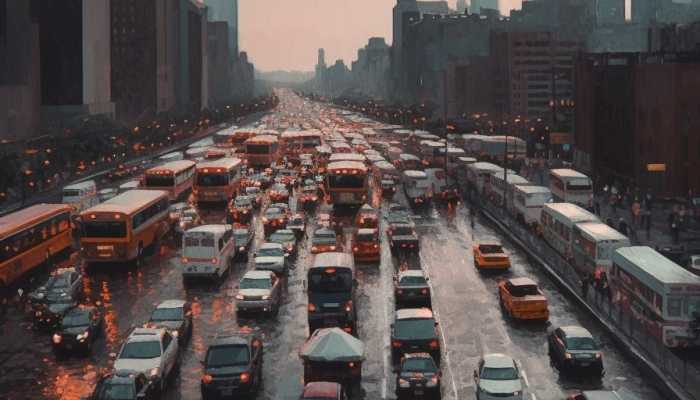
(285, 34)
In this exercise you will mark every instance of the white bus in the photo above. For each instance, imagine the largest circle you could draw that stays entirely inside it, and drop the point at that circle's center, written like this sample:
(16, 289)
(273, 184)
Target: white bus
(417, 188)
(207, 251)
(527, 202)
(660, 294)
(557, 221)
(501, 190)
(479, 174)
(594, 244)
(570, 186)
(80, 196)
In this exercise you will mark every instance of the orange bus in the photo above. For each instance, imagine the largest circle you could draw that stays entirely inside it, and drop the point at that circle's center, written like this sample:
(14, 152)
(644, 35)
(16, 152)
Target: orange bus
(233, 137)
(29, 237)
(261, 151)
(122, 227)
(217, 180)
(347, 183)
(175, 177)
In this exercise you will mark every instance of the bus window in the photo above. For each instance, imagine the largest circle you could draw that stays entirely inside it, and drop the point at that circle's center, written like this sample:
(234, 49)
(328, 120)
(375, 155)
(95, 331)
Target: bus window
(212, 180)
(346, 181)
(257, 148)
(106, 229)
(159, 180)
(674, 307)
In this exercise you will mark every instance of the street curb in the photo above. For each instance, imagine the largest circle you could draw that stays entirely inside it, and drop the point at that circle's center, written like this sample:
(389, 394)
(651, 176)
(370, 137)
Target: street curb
(668, 387)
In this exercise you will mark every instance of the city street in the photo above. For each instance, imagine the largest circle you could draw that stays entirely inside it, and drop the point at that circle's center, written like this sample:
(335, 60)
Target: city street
(465, 303)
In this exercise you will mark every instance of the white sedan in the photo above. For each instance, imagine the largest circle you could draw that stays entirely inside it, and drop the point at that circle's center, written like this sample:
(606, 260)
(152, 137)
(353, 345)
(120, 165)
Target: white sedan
(498, 378)
(152, 351)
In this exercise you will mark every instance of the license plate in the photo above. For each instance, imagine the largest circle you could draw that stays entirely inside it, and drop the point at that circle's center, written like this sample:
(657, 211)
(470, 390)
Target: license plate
(226, 392)
(105, 255)
(330, 322)
(585, 364)
(419, 392)
(69, 347)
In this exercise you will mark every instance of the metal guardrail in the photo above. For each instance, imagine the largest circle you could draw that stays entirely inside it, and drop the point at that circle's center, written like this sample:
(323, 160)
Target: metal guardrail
(672, 369)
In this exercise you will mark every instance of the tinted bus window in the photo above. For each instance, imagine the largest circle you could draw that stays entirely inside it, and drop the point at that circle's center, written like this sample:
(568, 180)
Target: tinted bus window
(96, 229)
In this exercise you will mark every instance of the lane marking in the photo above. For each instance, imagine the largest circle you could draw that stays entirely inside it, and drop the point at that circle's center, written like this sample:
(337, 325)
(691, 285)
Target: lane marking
(527, 383)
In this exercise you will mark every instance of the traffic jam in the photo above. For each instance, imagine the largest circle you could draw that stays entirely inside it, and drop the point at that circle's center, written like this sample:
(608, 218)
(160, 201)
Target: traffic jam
(315, 254)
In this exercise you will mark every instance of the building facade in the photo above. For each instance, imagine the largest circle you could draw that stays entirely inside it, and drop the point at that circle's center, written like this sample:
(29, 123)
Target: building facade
(219, 63)
(370, 72)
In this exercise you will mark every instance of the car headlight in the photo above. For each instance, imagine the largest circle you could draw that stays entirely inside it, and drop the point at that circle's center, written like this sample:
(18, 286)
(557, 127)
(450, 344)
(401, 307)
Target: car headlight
(37, 314)
(57, 338)
(332, 247)
(432, 382)
(240, 297)
(83, 336)
(517, 393)
(403, 383)
(242, 248)
(266, 297)
(155, 372)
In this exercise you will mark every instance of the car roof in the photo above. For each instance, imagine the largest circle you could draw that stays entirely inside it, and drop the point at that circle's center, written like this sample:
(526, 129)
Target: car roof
(498, 360)
(257, 274)
(576, 331)
(212, 228)
(334, 259)
(122, 376)
(321, 389)
(270, 245)
(366, 231)
(411, 272)
(145, 334)
(175, 303)
(283, 231)
(230, 340)
(324, 231)
(522, 282)
(411, 313)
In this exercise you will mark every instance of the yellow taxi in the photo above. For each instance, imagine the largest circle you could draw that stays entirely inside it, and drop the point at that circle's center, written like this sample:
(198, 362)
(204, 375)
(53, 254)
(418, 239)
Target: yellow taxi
(521, 298)
(490, 256)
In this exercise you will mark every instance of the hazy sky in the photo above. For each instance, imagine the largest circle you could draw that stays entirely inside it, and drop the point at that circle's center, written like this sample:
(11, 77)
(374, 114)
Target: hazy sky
(286, 34)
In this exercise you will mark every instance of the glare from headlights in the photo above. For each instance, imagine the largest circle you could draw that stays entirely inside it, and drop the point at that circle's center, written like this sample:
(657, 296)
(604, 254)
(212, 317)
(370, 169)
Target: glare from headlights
(57, 338)
(155, 372)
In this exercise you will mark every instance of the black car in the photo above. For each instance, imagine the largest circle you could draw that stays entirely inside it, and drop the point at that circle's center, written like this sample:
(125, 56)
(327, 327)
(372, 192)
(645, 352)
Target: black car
(232, 367)
(574, 348)
(175, 316)
(415, 331)
(77, 330)
(243, 237)
(402, 238)
(124, 385)
(49, 313)
(418, 376)
(411, 287)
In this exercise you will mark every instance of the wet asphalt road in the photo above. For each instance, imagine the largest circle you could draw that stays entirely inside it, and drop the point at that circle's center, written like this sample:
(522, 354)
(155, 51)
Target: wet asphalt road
(465, 302)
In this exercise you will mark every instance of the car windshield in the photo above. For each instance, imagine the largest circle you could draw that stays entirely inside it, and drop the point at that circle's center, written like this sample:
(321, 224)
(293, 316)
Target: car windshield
(116, 391)
(330, 280)
(271, 252)
(418, 365)
(272, 212)
(499, 374)
(323, 238)
(412, 280)
(242, 201)
(240, 236)
(415, 328)
(252, 190)
(402, 230)
(525, 290)
(167, 314)
(212, 179)
(227, 356)
(490, 248)
(60, 282)
(142, 350)
(367, 237)
(75, 319)
(581, 343)
(250, 283)
(278, 237)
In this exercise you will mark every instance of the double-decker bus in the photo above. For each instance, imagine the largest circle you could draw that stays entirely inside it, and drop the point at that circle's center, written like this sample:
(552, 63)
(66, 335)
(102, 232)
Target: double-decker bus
(121, 228)
(261, 151)
(30, 237)
(570, 186)
(175, 177)
(658, 293)
(557, 221)
(347, 183)
(217, 180)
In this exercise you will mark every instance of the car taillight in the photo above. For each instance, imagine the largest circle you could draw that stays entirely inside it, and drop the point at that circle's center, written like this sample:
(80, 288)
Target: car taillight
(245, 377)
(207, 379)
(312, 307)
(314, 248)
(355, 249)
(399, 291)
(376, 246)
(214, 261)
(434, 344)
(184, 260)
(348, 306)
(424, 291)
(396, 344)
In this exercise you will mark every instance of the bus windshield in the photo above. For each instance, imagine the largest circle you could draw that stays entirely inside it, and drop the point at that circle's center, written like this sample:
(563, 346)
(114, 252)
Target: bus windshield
(160, 180)
(347, 181)
(322, 280)
(104, 229)
(257, 149)
(212, 179)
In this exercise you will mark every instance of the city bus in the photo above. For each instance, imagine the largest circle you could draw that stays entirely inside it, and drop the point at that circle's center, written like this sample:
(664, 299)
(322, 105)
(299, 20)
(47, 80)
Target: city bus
(570, 186)
(593, 246)
(294, 143)
(557, 222)
(501, 190)
(175, 177)
(479, 173)
(340, 147)
(30, 237)
(80, 195)
(661, 295)
(121, 228)
(233, 137)
(356, 157)
(261, 151)
(217, 180)
(347, 183)
(527, 202)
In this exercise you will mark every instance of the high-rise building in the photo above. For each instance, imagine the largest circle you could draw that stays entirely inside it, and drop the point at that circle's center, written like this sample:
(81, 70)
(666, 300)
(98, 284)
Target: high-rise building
(476, 5)
(610, 12)
(219, 63)
(227, 11)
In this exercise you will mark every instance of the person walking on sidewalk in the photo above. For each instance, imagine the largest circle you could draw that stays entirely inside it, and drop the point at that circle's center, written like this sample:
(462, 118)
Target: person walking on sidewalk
(636, 210)
(585, 283)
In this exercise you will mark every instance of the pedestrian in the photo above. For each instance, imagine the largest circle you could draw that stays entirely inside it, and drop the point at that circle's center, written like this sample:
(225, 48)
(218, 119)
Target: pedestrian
(585, 282)
(622, 226)
(636, 210)
(596, 206)
(675, 231)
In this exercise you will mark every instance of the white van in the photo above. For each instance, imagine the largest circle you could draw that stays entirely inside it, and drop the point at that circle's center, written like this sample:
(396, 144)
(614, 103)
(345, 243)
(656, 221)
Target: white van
(81, 195)
(207, 251)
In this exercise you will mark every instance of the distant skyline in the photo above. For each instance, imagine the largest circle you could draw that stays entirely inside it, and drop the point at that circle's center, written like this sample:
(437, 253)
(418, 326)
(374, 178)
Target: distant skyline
(285, 35)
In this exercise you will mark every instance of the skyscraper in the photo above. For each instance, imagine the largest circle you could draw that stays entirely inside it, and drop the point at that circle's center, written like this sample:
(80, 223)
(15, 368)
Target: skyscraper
(227, 11)
(610, 12)
(461, 6)
(477, 5)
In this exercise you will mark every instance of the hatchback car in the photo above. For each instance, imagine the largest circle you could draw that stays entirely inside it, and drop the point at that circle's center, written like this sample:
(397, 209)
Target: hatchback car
(232, 367)
(259, 291)
(297, 224)
(124, 385)
(324, 240)
(287, 239)
(255, 194)
(417, 376)
(175, 316)
(271, 257)
(64, 281)
(402, 238)
(309, 197)
(241, 210)
(414, 331)
(574, 348)
(498, 377)
(151, 351)
(77, 330)
(411, 288)
(189, 218)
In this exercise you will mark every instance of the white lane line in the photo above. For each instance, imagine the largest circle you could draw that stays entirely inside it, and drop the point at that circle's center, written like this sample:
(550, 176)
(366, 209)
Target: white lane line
(533, 396)
(527, 383)
(441, 329)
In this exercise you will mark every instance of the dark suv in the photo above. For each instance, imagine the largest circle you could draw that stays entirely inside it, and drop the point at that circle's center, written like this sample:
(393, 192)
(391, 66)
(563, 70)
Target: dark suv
(124, 385)
(415, 331)
(402, 238)
(232, 367)
(573, 348)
